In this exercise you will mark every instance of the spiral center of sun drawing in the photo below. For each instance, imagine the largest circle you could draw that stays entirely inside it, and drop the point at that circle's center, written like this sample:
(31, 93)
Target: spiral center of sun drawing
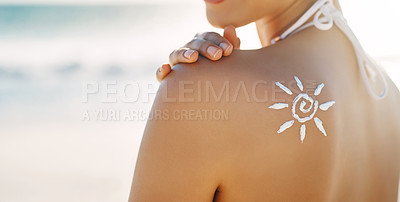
(306, 105)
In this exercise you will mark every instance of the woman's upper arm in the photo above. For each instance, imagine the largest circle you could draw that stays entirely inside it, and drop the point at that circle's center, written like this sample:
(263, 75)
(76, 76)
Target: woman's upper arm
(178, 159)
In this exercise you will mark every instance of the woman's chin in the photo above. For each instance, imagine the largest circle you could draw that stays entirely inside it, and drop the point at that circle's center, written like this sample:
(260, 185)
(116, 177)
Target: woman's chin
(216, 23)
(213, 1)
(221, 21)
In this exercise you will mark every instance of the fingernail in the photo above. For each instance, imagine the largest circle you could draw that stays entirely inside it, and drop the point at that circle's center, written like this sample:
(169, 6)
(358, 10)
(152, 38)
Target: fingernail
(213, 51)
(188, 54)
(224, 46)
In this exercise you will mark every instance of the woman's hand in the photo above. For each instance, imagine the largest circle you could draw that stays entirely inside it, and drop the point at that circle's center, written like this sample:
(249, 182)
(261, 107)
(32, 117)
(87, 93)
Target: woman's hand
(208, 44)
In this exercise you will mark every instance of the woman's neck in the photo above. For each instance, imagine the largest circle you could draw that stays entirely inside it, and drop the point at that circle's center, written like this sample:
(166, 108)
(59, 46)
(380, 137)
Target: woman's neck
(269, 28)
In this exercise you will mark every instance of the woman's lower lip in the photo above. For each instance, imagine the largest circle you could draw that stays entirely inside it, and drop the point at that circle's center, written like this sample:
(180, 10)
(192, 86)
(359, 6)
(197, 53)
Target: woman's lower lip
(213, 1)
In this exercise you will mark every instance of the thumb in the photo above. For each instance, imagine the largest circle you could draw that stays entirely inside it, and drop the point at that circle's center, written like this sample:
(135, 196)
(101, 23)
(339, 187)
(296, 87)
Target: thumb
(230, 34)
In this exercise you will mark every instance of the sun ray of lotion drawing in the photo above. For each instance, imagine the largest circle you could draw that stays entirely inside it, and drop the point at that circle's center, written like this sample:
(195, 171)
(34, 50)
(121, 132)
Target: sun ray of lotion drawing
(304, 97)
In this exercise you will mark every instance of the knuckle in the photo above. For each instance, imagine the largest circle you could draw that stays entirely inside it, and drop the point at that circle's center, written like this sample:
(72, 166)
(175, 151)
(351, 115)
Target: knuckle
(190, 43)
(205, 44)
(173, 54)
(180, 52)
(213, 35)
(198, 35)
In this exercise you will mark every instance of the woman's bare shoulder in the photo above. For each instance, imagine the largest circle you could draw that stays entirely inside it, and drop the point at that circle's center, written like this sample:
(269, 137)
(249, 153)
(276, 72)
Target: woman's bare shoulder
(248, 84)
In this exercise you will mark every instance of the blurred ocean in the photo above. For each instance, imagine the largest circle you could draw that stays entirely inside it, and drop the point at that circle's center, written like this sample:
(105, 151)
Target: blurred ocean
(48, 151)
(47, 53)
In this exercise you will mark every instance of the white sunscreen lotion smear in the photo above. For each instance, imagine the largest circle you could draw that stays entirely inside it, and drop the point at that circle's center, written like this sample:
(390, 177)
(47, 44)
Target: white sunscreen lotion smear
(327, 105)
(297, 106)
(279, 106)
(284, 88)
(285, 126)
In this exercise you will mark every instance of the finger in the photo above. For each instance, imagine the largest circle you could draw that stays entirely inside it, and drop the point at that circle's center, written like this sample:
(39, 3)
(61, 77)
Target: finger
(163, 71)
(230, 35)
(183, 55)
(206, 48)
(217, 39)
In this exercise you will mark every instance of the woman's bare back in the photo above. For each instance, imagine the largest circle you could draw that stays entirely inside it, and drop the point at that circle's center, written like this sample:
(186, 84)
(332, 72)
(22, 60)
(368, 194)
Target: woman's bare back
(252, 155)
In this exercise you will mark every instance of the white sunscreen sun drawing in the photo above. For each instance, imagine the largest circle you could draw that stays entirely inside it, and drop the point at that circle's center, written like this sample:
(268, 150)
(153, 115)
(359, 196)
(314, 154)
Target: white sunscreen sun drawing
(312, 109)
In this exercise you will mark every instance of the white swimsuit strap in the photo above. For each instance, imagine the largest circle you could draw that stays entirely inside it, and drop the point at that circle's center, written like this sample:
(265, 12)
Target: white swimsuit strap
(325, 16)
